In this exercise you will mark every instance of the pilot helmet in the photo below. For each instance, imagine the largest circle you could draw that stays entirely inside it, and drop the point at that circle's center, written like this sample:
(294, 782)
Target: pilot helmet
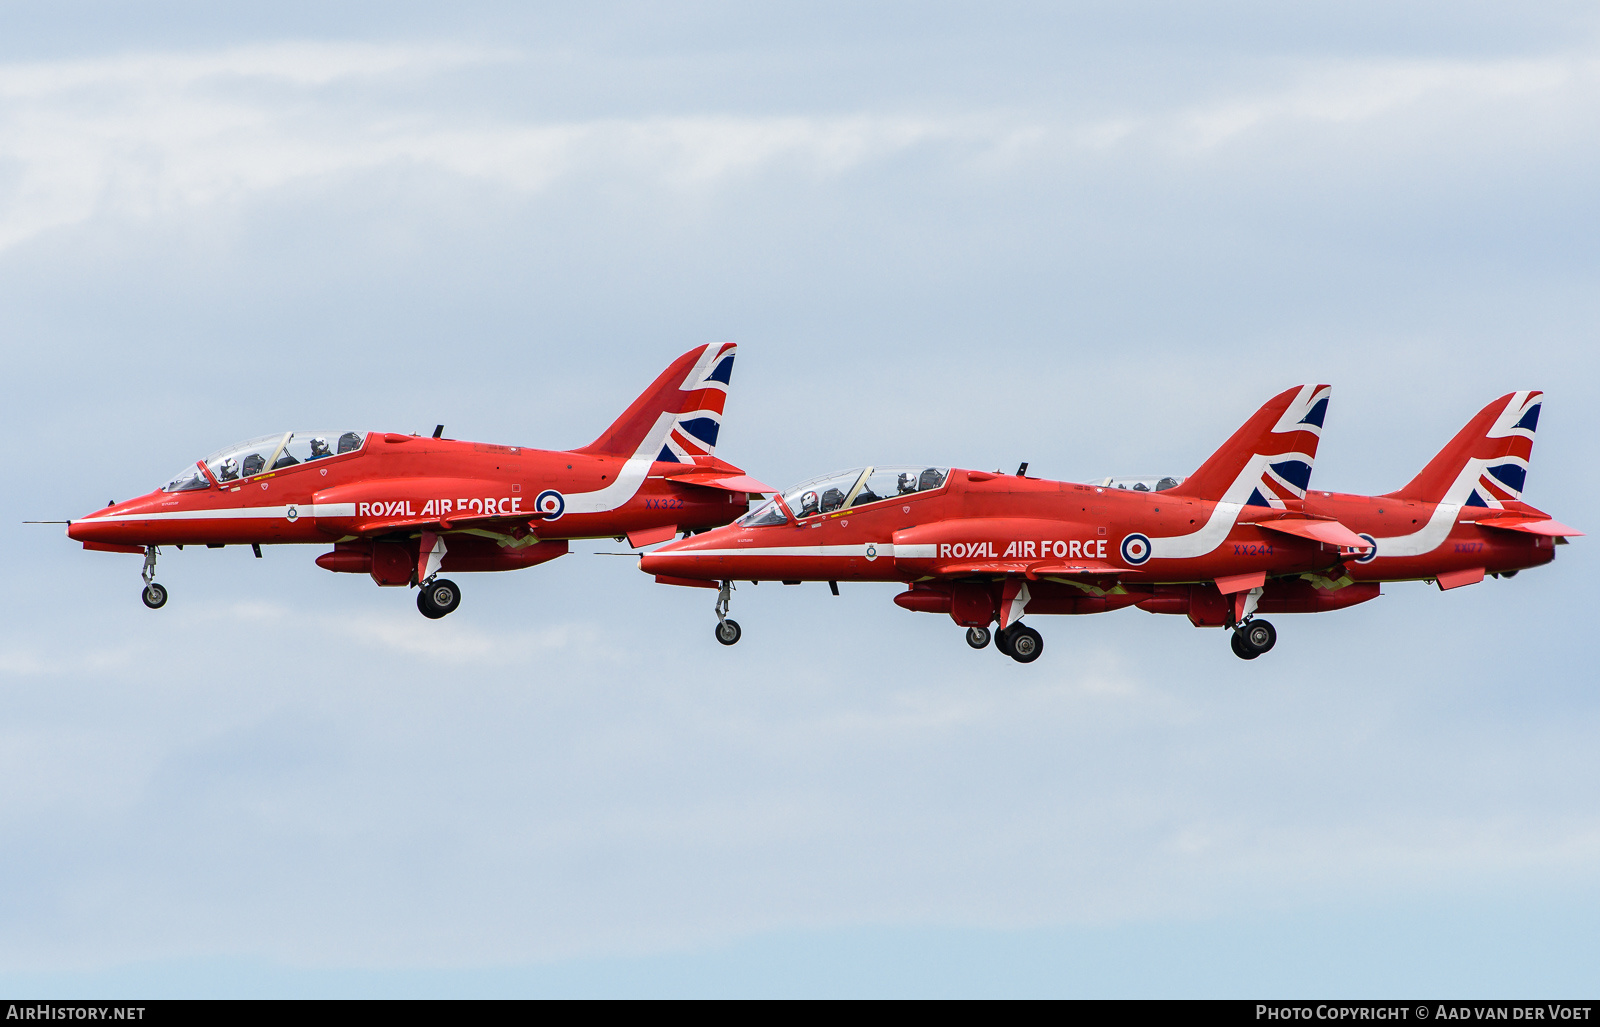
(319, 446)
(230, 468)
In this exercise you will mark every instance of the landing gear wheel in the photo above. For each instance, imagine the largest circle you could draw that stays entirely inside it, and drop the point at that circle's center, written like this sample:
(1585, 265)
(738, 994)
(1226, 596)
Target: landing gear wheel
(1002, 641)
(977, 637)
(1259, 636)
(1241, 648)
(1026, 644)
(438, 598)
(728, 632)
(154, 595)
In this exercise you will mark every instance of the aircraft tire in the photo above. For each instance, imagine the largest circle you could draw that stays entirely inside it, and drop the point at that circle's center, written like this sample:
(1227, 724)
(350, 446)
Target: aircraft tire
(444, 595)
(728, 632)
(978, 638)
(1002, 641)
(426, 608)
(1259, 636)
(154, 595)
(1026, 644)
(1241, 648)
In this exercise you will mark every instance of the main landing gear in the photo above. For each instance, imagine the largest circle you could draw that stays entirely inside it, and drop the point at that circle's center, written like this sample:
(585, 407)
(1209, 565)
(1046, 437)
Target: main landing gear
(438, 597)
(1018, 641)
(1252, 638)
(727, 629)
(154, 595)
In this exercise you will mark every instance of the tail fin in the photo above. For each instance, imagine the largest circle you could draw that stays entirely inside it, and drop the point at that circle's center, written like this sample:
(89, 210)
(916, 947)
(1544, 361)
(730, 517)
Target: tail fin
(1486, 464)
(692, 390)
(1268, 461)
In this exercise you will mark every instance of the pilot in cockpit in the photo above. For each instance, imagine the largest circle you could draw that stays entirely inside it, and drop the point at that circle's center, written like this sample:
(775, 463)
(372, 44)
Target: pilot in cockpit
(906, 483)
(319, 449)
(229, 471)
(809, 504)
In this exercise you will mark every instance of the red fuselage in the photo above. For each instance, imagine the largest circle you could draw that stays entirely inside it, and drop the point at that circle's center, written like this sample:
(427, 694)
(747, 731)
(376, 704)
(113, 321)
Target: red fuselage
(395, 485)
(1088, 549)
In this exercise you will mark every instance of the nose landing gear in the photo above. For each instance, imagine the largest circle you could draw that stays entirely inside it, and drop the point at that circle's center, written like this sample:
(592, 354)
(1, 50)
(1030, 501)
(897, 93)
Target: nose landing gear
(153, 595)
(1252, 638)
(978, 637)
(727, 630)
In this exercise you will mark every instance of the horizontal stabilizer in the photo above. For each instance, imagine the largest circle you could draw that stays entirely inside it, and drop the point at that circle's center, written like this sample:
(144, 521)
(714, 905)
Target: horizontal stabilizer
(722, 480)
(1331, 532)
(1530, 525)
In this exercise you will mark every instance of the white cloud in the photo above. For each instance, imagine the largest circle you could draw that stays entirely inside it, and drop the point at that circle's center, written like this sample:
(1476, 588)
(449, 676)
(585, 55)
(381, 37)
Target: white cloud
(141, 135)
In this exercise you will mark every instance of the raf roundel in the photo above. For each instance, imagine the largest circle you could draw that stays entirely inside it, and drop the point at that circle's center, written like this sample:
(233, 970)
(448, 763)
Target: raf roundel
(1135, 549)
(550, 503)
(1372, 552)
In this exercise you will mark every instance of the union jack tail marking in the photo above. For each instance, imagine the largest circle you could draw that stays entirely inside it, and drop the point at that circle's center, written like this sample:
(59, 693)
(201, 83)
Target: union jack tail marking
(1268, 461)
(1486, 464)
(693, 390)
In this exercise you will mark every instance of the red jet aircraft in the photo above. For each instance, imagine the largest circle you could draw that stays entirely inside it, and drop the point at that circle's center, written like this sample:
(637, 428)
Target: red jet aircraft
(1463, 516)
(404, 508)
(1237, 538)
(986, 547)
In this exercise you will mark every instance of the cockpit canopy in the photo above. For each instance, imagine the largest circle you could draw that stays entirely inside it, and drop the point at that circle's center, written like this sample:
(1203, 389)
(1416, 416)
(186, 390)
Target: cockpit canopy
(846, 490)
(267, 453)
(1150, 484)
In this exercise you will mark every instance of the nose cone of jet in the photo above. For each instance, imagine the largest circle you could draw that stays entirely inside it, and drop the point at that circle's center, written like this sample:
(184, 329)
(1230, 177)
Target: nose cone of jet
(686, 558)
(103, 525)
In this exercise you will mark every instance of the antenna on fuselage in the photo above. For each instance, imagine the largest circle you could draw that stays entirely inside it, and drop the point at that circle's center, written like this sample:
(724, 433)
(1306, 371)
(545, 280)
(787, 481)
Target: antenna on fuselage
(1022, 469)
(438, 431)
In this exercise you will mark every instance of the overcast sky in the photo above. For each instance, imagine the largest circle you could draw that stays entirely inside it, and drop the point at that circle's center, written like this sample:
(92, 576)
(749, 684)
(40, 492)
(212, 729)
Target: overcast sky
(1092, 237)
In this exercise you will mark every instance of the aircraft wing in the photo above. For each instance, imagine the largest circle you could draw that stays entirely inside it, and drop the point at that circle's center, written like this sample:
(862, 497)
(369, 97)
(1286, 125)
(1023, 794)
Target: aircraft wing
(1103, 574)
(445, 523)
(1530, 525)
(980, 568)
(1331, 532)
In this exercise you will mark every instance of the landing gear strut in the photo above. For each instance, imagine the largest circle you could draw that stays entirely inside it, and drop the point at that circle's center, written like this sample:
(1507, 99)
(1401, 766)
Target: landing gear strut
(727, 629)
(438, 597)
(1252, 638)
(154, 595)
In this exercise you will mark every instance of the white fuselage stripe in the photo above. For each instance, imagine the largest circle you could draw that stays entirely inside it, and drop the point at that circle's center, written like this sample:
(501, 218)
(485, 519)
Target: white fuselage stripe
(858, 549)
(239, 513)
